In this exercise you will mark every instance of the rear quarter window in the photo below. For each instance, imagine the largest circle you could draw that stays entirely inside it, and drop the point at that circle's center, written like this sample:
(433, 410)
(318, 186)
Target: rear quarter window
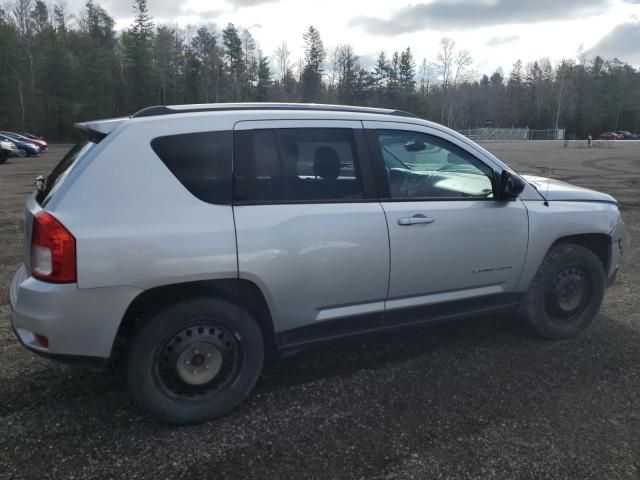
(200, 161)
(60, 172)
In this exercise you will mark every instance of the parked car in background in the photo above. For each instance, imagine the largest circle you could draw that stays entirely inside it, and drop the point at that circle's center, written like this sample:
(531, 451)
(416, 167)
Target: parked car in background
(626, 135)
(611, 136)
(41, 143)
(25, 149)
(7, 150)
(30, 135)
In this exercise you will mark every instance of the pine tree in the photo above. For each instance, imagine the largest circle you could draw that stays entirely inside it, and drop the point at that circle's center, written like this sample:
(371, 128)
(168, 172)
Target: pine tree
(314, 55)
(264, 80)
(407, 72)
(234, 61)
(138, 44)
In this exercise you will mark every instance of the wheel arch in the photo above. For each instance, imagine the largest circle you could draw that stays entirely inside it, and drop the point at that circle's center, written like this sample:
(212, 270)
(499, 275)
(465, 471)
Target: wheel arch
(238, 291)
(598, 243)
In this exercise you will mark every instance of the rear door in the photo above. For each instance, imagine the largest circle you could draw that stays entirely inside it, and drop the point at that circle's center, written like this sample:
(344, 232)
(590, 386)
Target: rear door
(451, 241)
(310, 230)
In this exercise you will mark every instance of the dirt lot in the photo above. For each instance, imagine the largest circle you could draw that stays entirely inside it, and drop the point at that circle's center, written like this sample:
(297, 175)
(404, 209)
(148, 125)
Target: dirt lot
(477, 399)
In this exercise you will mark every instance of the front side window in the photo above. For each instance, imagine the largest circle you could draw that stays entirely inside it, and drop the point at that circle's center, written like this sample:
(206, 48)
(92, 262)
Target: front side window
(303, 164)
(424, 166)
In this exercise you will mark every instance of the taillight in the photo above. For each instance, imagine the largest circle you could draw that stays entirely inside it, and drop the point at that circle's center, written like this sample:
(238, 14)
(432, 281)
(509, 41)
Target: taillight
(53, 250)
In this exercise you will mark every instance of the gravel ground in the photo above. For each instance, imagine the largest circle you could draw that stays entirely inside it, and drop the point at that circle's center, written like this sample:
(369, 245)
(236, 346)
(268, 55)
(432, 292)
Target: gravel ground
(476, 399)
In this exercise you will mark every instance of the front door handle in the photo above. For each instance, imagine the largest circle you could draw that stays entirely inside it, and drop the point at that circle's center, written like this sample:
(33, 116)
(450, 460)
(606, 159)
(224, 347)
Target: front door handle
(415, 220)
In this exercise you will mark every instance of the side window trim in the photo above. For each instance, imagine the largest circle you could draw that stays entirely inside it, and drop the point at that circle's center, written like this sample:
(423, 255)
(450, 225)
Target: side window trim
(382, 183)
(243, 151)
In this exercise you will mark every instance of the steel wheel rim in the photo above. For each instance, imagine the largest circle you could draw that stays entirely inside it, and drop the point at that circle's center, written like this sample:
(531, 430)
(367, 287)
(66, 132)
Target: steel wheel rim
(193, 364)
(568, 294)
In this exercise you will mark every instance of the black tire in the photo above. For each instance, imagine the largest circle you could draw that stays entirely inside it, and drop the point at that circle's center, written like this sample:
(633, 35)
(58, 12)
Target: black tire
(22, 152)
(180, 335)
(3, 159)
(566, 293)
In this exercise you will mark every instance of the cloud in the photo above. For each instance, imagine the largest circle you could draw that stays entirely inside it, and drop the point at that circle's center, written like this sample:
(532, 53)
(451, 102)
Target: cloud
(249, 3)
(496, 41)
(468, 14)
(158, 9)
(203, 14)
(621, 43)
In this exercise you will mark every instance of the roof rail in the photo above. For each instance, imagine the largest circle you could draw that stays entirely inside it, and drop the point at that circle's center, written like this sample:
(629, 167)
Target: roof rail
(221, 107)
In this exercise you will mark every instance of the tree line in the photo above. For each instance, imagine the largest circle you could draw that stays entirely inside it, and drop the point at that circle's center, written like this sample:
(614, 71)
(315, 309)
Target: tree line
(57, 69)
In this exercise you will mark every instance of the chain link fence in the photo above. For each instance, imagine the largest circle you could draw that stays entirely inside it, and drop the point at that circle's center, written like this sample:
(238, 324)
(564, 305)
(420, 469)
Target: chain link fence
(515, 134)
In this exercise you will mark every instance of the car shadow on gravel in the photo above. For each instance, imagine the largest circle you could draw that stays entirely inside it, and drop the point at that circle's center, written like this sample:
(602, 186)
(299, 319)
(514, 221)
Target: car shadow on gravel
(436, 354)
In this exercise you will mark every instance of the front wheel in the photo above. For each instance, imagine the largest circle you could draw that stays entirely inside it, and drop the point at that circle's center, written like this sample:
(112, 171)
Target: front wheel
(22, 152)
(195, 360)
(566, 293)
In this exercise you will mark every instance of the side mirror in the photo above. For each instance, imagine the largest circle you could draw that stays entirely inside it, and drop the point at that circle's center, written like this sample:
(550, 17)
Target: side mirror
(509, 185)
(414, 145)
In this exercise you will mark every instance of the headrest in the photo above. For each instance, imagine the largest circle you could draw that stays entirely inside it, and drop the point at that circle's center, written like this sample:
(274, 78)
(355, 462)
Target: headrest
(327, 163)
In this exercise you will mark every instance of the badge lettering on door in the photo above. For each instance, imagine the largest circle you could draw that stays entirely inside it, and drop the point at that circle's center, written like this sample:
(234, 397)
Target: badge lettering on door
(491, 269)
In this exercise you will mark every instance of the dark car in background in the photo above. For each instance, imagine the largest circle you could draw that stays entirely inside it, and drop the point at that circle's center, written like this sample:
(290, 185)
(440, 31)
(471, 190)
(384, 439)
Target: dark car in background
(25, 149)
(627, 135)
(40, 142)
(611, 136)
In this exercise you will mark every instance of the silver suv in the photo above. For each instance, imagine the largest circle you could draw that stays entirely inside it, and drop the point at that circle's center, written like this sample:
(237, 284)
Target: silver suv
(203, 237)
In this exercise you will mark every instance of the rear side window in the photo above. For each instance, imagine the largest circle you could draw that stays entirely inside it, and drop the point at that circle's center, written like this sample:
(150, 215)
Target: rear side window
(301, 165)
(200, 161)
(61, 171)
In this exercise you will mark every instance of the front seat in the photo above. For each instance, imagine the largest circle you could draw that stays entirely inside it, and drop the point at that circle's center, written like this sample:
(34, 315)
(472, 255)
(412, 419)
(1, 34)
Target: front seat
(326, 168)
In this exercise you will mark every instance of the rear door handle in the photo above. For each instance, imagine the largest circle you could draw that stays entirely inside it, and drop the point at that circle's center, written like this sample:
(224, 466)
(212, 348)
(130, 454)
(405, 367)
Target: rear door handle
(415, 220)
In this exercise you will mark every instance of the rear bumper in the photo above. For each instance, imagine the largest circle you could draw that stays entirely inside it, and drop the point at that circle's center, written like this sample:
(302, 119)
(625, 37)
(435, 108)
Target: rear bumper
(76, 322)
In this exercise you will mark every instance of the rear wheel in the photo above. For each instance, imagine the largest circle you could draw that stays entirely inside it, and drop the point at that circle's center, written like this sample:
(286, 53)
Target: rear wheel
(22, 152)
(195, 360)
(566, 293)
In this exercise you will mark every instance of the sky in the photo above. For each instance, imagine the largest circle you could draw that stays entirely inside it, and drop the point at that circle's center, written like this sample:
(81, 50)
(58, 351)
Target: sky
(496, 32)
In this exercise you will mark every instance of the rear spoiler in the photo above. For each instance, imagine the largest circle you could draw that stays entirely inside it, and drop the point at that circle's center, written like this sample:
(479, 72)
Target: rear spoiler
(98, 129)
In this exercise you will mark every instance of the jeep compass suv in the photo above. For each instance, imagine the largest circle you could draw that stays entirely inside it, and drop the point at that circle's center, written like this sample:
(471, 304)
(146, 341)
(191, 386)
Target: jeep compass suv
(201, 237)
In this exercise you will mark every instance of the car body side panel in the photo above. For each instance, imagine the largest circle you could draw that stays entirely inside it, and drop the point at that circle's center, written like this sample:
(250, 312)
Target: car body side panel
(470, 245)
(315, 262)
(559, 219)
(150, 230)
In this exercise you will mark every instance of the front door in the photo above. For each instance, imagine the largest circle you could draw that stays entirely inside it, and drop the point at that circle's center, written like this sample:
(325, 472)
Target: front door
(451, 241)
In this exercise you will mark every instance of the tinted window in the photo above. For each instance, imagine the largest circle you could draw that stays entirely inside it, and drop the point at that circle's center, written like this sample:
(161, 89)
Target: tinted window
(61, 170)
(423, 166)
(200, 161)
(303, 164)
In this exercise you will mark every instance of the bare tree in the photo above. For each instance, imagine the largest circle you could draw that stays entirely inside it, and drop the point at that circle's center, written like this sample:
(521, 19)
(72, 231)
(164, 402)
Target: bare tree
(21, 10)
(426, 75)
(283, 59)
(462, 67)
(445, 60)
(333, 65)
